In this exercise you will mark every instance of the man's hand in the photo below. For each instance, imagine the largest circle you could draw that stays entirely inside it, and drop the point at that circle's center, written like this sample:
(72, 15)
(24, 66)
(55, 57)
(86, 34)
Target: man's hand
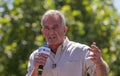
(40, 59)
(96, 57)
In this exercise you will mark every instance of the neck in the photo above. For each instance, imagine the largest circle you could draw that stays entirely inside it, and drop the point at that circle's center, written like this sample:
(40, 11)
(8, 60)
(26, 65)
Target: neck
(54, 47)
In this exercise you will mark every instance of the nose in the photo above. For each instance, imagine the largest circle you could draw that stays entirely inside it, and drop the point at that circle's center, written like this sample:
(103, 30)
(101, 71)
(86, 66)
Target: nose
(51, 31)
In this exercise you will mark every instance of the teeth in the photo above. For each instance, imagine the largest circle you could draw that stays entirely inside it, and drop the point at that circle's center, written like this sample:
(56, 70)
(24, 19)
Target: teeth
(52, 37)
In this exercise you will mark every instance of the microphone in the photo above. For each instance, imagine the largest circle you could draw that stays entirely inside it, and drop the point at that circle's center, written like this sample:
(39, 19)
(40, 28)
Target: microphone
(44, 49)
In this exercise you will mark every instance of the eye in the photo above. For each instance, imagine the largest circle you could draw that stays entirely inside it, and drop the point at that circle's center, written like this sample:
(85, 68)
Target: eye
(55, 27)
(46, 28)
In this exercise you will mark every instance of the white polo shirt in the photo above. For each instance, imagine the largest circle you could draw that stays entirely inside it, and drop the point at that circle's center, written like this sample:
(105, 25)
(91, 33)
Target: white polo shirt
(71, 59)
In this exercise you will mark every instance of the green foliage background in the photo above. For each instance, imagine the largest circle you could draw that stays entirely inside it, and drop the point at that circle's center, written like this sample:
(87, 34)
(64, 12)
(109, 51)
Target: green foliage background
(87, 20)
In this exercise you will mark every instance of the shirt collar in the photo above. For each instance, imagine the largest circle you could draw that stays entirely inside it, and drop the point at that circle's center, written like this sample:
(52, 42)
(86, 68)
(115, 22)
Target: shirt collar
(63, 45)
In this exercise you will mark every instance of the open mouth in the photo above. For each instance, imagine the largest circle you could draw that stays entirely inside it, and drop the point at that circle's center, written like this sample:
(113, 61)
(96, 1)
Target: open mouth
(52, 38)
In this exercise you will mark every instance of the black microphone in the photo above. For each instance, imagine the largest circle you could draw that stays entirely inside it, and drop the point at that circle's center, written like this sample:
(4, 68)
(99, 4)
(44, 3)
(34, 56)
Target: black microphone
(44, 49)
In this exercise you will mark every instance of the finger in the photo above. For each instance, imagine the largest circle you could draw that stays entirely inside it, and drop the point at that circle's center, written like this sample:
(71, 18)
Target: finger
(95, 49)
(92, 50)
(43, 55)
(40, 61)
(94, 43)
(42, 58)
(93, 59)
(93, 46)
(93, 55)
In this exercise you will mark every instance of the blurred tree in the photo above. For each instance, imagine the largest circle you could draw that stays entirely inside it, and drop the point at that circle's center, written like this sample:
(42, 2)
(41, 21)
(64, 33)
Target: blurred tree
(87, 20)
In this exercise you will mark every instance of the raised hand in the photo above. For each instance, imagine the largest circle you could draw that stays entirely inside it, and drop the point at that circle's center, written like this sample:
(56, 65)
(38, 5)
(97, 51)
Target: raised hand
(95, 56)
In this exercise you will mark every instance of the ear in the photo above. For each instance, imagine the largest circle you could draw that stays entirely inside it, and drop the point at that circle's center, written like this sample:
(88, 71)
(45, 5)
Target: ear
(42, 30)
(65, 29)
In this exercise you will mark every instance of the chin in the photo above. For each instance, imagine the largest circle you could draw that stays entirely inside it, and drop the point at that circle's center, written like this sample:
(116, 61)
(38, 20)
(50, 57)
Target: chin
(53, 43)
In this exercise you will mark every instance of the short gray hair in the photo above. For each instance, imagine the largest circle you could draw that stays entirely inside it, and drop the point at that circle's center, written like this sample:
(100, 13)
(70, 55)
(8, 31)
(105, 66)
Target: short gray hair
(54, 12)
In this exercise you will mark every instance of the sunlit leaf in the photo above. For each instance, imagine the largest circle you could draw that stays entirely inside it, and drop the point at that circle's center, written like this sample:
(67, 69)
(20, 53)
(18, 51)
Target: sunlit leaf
(76, 13)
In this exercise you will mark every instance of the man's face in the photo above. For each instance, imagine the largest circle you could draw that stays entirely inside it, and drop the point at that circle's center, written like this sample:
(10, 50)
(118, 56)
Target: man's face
(53, 30)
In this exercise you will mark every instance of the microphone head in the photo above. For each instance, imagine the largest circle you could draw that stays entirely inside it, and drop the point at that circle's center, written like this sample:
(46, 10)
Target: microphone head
(44, 49)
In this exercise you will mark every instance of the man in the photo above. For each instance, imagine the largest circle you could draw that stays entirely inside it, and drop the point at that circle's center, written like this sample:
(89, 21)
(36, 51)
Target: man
(67, 58)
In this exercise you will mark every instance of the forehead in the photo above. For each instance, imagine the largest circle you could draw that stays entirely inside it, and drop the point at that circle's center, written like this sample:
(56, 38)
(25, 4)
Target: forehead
(52, 20)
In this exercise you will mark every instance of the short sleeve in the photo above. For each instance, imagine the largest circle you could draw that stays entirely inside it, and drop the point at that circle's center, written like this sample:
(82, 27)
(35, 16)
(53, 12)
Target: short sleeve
(89, 65)
(30, 63)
